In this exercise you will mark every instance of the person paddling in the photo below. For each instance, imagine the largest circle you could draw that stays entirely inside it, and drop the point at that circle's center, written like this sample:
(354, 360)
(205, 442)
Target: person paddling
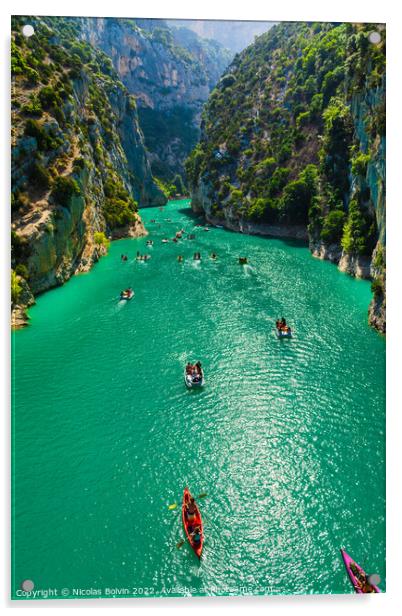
(196, 534)
(191, 510)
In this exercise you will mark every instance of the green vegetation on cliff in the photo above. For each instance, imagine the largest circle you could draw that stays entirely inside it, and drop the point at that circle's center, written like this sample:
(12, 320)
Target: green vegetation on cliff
(279, 140)
(294, 134)
(79, 164)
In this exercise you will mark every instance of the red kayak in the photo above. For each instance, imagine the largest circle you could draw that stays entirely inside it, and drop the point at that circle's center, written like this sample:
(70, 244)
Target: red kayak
(190, 526)
(357, 576)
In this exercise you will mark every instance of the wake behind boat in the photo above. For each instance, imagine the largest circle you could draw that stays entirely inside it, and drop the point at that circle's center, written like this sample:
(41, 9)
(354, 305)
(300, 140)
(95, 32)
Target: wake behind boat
(192, 522)
(194, 375)
(357, 576)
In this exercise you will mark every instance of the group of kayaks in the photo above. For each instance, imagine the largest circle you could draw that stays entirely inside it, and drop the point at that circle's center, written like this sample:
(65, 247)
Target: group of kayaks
(193, 528)
(191, 516)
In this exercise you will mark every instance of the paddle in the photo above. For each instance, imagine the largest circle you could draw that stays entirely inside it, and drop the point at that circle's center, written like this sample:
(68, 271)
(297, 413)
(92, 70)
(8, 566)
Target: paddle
(174, 505)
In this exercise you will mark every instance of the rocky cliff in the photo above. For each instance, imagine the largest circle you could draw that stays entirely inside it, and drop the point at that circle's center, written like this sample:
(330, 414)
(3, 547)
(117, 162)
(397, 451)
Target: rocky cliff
(294, 135)
(171, 72)
(79, 164)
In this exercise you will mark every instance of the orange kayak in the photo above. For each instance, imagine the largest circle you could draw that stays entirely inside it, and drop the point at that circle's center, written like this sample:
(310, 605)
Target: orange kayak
(189, 526)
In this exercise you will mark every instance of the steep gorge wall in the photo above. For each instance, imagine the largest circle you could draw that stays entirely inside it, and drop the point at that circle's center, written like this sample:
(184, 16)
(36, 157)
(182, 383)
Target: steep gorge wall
(79, 164)
(293, 137)
(170, 71)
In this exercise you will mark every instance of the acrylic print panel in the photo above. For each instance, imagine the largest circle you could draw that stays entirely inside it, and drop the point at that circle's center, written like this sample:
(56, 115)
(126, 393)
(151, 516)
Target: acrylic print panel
(198, 403)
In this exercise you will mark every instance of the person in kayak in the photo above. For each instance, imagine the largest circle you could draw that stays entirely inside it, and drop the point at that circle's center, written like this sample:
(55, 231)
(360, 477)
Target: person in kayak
(196, 534)
(195, 374)
(191, 510)
(361, 579)
(189, 368)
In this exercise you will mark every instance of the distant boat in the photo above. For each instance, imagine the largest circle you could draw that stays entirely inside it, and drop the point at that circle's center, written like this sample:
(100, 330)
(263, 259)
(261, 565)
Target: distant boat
(357, 576)
(197, 380)
(127, 294)
(243, 260)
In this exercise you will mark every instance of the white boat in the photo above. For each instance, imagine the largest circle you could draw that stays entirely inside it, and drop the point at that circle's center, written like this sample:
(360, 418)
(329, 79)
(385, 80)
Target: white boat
(284, 333)
(194, 381)
(127, 294)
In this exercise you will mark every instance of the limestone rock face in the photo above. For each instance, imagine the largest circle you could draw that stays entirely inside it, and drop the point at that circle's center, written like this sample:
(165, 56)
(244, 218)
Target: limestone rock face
(19, 317)
(170, 71)
(269, 161)
(79, 163)
(377, 312)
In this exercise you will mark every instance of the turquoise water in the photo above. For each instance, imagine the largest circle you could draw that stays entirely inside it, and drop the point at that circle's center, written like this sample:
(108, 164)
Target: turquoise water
(287, 437)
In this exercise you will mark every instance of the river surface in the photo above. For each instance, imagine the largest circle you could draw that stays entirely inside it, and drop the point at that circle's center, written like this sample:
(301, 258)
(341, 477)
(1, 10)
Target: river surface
(287, 437)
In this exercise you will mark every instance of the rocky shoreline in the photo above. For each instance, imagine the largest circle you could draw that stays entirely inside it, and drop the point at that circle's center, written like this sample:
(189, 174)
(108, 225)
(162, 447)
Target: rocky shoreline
(297, 232)
(355, 265)
(90, 255)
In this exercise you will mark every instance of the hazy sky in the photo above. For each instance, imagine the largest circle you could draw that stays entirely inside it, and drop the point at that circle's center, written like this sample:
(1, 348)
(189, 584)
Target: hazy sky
(235, 35)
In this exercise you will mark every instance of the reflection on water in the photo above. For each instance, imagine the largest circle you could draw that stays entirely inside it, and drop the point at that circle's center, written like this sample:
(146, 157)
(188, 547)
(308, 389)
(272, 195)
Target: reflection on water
(107, 435)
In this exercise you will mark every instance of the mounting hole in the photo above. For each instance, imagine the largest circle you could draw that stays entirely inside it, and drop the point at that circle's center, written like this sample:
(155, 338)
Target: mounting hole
(374, 579)
(27, 585)
(28, 30)
(374, 37)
